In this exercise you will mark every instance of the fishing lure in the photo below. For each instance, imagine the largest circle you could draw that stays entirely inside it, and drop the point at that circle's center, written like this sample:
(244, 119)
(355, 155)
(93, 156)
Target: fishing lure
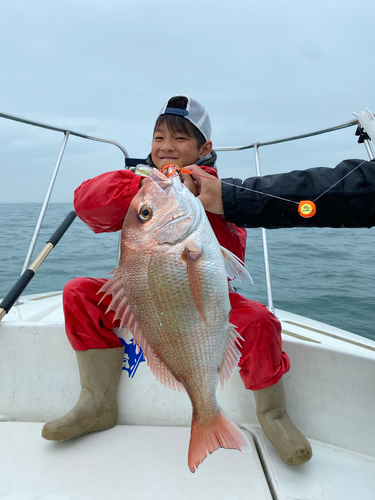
(171, 169)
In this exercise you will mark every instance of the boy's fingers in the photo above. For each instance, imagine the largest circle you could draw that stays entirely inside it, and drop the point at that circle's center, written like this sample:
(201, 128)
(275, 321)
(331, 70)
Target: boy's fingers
(200, 176)
(209, 188)
(189, 183)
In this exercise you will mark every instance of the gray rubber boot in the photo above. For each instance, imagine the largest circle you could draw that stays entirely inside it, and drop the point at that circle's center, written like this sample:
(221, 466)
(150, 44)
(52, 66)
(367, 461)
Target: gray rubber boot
(100, 371)
(291, 445)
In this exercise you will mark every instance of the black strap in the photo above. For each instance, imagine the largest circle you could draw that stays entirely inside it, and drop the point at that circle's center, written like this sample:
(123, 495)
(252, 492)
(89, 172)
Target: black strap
(133, 162)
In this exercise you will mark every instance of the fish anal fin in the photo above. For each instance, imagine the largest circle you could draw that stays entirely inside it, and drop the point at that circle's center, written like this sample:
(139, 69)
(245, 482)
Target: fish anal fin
(192, 256)
(221, 433)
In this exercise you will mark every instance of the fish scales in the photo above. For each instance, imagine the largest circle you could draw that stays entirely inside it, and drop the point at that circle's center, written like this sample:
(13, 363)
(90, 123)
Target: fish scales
(176, 332)
(173, 275)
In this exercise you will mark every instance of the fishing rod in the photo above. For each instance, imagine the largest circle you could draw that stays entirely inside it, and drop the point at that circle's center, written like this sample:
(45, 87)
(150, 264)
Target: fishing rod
(25, 278)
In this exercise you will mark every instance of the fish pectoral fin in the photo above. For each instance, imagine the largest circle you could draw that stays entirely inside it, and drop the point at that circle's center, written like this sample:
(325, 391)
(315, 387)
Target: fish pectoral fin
(192, 256)
(235, 267)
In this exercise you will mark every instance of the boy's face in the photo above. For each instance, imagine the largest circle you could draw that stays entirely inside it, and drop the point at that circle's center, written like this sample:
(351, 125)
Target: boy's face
(177, 147)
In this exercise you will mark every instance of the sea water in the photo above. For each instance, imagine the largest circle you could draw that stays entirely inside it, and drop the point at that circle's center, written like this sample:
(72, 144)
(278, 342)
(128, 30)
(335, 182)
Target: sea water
(322, 273)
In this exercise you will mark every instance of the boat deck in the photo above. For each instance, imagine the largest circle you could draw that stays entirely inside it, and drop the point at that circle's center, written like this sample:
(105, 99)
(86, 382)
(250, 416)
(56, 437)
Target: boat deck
(150, 463)
(330, 397)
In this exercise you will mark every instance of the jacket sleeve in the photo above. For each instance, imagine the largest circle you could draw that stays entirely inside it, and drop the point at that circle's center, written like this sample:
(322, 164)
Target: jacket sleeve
(102, 202)
(349, 201)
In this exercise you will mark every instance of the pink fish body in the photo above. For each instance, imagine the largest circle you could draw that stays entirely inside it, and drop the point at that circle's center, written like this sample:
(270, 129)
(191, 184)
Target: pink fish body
(171, 291)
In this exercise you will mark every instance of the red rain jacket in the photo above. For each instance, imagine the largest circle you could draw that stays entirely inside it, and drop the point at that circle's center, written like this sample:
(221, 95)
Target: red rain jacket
(102, 203)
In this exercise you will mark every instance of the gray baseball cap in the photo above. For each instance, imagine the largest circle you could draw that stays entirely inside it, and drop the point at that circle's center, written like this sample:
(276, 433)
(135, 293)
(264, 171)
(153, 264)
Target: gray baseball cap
(194, 112)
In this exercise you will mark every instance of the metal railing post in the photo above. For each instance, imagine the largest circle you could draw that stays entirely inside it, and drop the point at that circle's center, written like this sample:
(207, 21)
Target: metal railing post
(369, 148)
(265, 246)
(45, 204)
(49, 191)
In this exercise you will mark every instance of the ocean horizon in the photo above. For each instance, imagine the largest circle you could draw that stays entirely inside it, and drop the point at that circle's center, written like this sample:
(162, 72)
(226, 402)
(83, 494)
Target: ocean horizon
(325, 274)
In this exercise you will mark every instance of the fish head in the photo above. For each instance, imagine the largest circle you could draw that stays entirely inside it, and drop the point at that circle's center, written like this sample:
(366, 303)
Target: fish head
(164, 211)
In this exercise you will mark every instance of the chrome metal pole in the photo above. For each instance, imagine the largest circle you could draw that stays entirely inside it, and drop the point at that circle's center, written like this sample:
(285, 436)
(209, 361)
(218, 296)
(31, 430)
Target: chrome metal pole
(369, 149)
(45, 204)
(287, 139)
(65, 131)
(265, 246)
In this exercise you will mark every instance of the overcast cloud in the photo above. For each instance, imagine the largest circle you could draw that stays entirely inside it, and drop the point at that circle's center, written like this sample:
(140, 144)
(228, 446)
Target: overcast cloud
(263, 70)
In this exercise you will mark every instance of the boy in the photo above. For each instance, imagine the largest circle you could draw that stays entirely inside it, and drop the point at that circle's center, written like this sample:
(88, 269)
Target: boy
(182, 134)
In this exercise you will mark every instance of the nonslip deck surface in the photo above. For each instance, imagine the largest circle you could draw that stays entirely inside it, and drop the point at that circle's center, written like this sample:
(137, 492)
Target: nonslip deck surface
(150, 463)
(143, 463)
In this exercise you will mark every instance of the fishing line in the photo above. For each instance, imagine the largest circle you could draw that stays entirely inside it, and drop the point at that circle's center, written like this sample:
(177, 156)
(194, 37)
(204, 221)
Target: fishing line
(333, 185)
(306, 208)
(183, 170)
(255, 191)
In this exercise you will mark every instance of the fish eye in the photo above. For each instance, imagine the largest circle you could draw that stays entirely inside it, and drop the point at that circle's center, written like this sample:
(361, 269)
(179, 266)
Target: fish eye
(145, 212)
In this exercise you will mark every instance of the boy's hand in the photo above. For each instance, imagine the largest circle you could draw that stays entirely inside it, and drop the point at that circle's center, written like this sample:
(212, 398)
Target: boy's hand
(209, 188)
(189, 183)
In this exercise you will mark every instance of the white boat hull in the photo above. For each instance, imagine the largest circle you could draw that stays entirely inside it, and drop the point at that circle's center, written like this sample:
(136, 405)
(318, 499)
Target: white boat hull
(330, 397)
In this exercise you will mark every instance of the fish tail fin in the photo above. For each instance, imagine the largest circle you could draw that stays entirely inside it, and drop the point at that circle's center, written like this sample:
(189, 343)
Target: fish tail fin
(221, 433)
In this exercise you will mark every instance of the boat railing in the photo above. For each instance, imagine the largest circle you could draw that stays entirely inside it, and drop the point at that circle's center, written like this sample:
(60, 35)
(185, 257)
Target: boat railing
(255, 146)
(67, 133)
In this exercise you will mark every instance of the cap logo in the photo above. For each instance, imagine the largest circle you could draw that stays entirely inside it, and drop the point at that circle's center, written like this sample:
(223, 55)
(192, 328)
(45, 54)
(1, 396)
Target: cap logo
(176, 111)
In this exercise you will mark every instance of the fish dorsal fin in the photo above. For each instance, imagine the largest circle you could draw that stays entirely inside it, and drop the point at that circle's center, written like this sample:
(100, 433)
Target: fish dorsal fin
(119, 302)
(111, 286)
(192, 256)
(158, 368)
(122, 309)
(231, 356)
(235, 267)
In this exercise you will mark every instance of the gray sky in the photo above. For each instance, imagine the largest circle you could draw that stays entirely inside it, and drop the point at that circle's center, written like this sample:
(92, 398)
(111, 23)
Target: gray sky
(263, 70)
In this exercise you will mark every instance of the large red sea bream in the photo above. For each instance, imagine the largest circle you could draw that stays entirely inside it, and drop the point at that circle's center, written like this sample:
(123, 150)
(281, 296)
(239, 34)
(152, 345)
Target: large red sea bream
(171, 291)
